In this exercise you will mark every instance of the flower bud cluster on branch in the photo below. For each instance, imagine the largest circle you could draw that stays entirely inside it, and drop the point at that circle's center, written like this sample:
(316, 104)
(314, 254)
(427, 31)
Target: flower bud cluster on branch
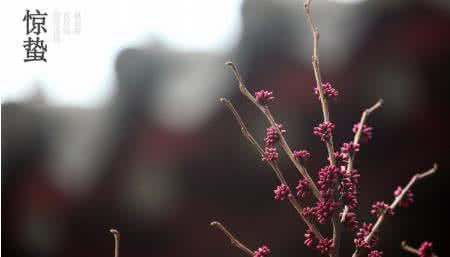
(333, 198)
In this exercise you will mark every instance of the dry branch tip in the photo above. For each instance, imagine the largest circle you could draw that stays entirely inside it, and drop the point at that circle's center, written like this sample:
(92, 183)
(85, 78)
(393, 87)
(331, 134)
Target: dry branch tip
(229, 63)
(232, 238)
(116, 235)
(214, 223)
(377, 105)
(114, 231)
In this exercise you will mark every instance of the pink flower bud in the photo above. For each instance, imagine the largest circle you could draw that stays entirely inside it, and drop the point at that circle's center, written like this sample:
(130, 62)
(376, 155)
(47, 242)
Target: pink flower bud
(264, 97)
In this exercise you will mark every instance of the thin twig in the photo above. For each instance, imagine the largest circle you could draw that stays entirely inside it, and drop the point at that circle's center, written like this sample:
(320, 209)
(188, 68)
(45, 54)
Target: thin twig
(265, 110)
(241, 123)
(411, 249)
(251, 139)
(356, 139)
(116, 235)
(233, 239)
(337, 228)
(315, 60)
(358, 133)
(396, 201)
(274, 165)
(318, 76)
(282, 140)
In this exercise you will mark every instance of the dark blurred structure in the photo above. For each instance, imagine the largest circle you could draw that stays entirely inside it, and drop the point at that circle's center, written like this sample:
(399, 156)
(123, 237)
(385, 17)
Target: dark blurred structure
(163, 158)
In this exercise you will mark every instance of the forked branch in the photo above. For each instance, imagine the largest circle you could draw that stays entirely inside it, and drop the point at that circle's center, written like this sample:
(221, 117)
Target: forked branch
(358, 133)
(356, 140)
(266, 111)
(274, 165)
(397, 200)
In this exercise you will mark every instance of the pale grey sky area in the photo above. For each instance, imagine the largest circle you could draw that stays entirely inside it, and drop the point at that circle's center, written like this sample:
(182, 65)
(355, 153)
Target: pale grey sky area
(79, 70)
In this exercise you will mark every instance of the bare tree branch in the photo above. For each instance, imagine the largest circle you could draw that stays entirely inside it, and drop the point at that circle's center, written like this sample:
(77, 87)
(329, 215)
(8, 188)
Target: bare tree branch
(116, 235)
(266, 111)
(233, 239)
(411, 249)
(337, 227)
(356, 139)
(274, 165)
(396, 201)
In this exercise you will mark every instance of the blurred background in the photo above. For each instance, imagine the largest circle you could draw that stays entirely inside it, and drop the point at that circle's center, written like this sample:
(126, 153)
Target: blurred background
(122, 126)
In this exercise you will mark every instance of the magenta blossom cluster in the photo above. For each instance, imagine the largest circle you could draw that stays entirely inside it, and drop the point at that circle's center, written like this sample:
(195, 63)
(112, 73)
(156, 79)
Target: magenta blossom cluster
(328, 178)
(302, 188)
(328, 91)
(337, 188)
(350, 220)
(282, 192)
(325, 245)
(341, 158)
(324, 210)
(366, 132)
(262, 251)
(362, 233)
(379, 208)
(327, 183)
(349, 148)
(349, 188)
(324, 130)
(309, 237)
(308, 211)
(272, 136)
(264, 97)
(270, 154)
(407, 200)
(375, 253)
(426, 249)
(302, 155)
